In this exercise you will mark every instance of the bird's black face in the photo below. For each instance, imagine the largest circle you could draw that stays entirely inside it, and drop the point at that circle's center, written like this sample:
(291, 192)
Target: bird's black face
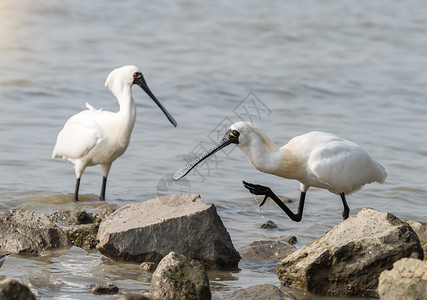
(139, 80)
(231, 137)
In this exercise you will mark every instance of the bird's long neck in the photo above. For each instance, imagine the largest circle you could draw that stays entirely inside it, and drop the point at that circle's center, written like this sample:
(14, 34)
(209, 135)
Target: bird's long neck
(266, 157)
(127, 105)
(127, 112)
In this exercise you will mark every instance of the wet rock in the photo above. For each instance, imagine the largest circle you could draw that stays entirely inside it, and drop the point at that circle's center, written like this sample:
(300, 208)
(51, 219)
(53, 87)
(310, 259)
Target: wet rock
(266, 250)
(12, 289)
(269, 225)
(79, 217)
(421, 230)
(101, 289)
(182, 223)
(406, 281)
(71, 217)
(348, 259)
(83, 236)
(3, 258)
(133, 297)
(81, 226)
(27, 232)
(178, 277)
(290, 239)
(260, 292)
(148, 266)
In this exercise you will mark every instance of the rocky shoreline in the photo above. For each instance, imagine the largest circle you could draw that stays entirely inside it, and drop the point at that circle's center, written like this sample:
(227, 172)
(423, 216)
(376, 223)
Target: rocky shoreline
(179, 237)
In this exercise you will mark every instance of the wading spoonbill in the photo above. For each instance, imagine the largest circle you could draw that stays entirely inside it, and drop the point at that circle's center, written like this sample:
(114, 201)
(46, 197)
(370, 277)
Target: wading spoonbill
(98, 137)
(315, 159)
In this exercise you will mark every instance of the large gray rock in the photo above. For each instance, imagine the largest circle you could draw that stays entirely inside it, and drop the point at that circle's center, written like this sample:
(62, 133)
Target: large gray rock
(28, 232)
(182, 223)
(348, 259)
(178, 277)
(12, 289)
(260, 292)
(406, 281)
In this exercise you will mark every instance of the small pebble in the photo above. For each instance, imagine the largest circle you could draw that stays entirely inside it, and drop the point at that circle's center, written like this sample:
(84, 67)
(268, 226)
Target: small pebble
(269, 225)
(100, 289)
(148, 266)
(290, 239)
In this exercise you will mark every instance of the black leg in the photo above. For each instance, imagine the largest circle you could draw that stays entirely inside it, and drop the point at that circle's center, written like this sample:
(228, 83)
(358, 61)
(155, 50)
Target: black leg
(346, 210)
(267, 192)
(76, 191)
(104, 185)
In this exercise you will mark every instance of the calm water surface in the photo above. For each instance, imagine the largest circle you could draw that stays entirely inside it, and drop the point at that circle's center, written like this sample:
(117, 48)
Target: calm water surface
(356, 69)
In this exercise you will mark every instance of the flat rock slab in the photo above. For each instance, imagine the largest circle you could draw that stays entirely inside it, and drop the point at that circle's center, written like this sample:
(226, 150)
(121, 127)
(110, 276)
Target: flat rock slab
(182, 223)
(406, 281)
(348, 259)
(28, 232)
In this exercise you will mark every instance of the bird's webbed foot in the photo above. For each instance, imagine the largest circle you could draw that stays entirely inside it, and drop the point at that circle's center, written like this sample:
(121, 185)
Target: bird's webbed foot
(257, 189)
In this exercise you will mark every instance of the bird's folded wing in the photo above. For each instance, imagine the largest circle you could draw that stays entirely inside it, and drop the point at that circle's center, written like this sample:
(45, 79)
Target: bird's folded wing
(77, 138)
(344, 167)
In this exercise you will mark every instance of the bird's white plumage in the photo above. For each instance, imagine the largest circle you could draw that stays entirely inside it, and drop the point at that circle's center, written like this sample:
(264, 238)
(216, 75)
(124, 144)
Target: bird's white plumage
(94, 136)
(315, 159)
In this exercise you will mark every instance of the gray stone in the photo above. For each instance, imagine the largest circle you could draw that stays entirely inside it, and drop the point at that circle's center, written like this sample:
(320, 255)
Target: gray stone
(81, 226)
(266, 250)
(348, 259)
(182, 223)
(12, 289)
(3, 258)
(83, 236)
(104, 289)
(133, 297)
(27, 232)
(178, 277)
(71, 217)
(260, 292)
(290, 239)
(148, 266)
(79, 217)
(269, 225)
(421, 230)
(406, 281)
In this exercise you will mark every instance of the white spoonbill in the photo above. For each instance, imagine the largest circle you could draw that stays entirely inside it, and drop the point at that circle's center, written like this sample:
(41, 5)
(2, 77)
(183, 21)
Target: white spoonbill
(315, 159)
(97, 137)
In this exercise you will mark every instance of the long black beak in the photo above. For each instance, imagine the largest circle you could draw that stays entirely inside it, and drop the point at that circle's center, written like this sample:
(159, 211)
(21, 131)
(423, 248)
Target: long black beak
(227, 140)
(141, 82)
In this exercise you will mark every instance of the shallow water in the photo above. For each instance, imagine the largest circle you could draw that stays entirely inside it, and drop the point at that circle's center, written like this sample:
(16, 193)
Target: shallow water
(356, 69)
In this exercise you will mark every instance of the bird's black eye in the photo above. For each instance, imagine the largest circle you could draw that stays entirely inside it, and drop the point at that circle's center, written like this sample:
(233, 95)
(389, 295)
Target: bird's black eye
(137, 75)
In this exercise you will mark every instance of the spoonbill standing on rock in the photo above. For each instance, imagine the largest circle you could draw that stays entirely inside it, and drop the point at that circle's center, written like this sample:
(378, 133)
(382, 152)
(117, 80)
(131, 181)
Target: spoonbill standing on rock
(97, 137)
(315, 159)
